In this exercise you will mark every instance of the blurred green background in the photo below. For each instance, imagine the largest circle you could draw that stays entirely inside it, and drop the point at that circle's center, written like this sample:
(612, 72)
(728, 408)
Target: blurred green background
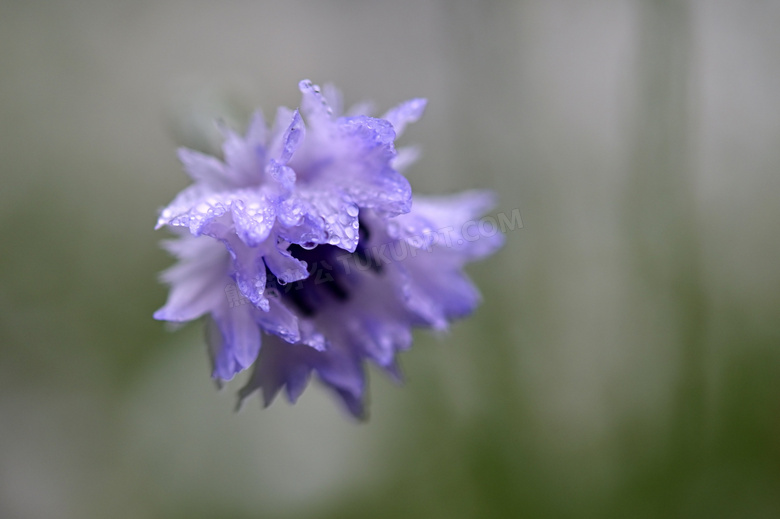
(626, 359)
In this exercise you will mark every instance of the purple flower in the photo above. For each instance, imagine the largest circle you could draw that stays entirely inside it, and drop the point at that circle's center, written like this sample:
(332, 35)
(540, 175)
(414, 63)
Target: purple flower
(306, 235)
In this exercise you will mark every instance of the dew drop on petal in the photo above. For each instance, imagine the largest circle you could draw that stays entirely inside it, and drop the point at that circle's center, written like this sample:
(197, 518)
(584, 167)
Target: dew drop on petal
(392, 229)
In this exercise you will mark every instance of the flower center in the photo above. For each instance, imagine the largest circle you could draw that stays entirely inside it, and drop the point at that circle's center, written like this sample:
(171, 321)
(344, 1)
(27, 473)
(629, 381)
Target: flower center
(332, 275)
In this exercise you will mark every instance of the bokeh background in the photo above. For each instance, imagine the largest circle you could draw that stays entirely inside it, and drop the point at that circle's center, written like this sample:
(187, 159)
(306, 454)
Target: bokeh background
(626, 359)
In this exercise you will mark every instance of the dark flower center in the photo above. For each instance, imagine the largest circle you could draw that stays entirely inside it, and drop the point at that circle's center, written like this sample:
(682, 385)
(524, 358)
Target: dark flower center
(331, 275)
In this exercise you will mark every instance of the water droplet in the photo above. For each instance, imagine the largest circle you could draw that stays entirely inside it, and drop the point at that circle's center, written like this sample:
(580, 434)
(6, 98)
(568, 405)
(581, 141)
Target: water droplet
(392, 229)
(334, 240)
(309, 245)
(281, 281)
(352, 210)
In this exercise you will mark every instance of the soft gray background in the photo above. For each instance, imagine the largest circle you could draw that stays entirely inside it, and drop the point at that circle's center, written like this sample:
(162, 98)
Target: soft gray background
(625, 362)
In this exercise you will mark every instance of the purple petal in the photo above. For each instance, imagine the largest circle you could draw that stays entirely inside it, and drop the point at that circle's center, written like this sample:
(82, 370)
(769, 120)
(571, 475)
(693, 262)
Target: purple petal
(234, 340)
(405, 113)
(283, 265)
(203, 168)
(381, 338)
(313, 103)
(280, 364)
(339, 216)
(447, 295)
(245, 156)
(254, 215)
(353, 403)
(288, 133)
(365, 173)
(405, 157)
(279, 321)
(292, 138)
(455, 210)
(196, 208)
(334, 99)
(342, 369)
(248, 271)
(257, 131)
(283, 176)
(196, 285)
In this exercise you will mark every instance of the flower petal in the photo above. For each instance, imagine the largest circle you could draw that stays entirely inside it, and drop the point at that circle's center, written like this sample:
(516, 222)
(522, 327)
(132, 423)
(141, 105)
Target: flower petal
(405, 157)
(338, 214)
(289, 132)
(203, 168)
(282, 265)
(234, 340)
(254, 214)
(313, 103)
(196, 285)
(405, 113)
(245, 156)
(248, 270)
(365, 172)
(280, 364)
(196, 208)
(279, 321)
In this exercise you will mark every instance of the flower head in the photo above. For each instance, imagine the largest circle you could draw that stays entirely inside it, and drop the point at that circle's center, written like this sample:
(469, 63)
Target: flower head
(304, 237)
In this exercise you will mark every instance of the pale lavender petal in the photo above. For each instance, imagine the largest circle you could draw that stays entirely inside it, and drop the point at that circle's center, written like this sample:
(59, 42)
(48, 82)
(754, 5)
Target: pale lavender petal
(352, 401)
(234, 341)
(382, 336)
(310, 230)
(279, 320)
(339, 217)
(280, 364)
(283, 265)
(248, 270)
(254, 215)
(405, 157)
(196, 286)
(422, 304)
(405, 113)
(343, 370)
(368, 177)
(203, 168)
(191, 298)
(334, 99)
(313, 103)
(287, 133)
(283, 176)
(455, 210)
(257, 131)
(292, 138)
(245, 156)
(195, 208)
